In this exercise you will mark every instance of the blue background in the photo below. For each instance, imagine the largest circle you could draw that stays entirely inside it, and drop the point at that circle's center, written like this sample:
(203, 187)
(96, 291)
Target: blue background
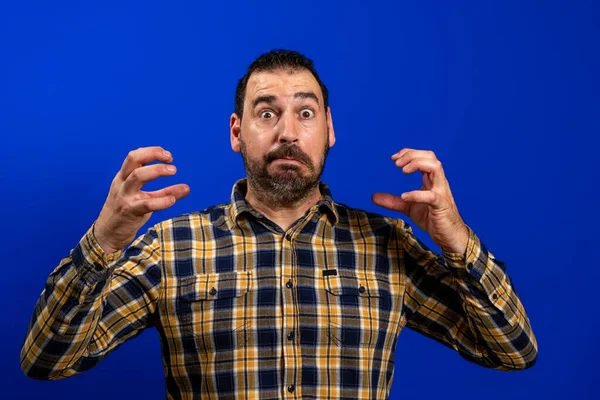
(506, 94)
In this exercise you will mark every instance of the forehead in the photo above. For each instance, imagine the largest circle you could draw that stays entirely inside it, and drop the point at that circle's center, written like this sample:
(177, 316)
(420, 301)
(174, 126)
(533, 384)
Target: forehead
(282, 83)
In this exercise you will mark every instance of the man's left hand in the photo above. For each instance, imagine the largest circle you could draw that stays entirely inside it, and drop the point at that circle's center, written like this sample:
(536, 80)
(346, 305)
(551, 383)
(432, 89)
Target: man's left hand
(432, 208)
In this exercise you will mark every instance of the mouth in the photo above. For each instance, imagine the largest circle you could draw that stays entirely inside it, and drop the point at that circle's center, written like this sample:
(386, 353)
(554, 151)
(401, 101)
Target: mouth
(288, 160)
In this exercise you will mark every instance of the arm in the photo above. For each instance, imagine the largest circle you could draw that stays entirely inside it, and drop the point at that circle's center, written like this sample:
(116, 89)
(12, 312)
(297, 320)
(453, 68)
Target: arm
(91, 304)
(463, 299)
(94, 301)
(467, 302)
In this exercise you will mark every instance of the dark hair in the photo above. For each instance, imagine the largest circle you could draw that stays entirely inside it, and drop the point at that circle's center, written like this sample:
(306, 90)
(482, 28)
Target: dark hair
(271, 61)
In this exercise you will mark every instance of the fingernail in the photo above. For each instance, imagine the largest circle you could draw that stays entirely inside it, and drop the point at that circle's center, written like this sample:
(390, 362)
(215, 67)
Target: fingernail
(170, 168)
(166, 153)
(404, 196)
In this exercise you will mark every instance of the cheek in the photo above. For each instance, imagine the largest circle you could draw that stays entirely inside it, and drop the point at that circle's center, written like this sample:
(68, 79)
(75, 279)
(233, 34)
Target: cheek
(313, 127)
(260, 133)
(315, 133)
(256, 145)
(262, 126)
(315, 149)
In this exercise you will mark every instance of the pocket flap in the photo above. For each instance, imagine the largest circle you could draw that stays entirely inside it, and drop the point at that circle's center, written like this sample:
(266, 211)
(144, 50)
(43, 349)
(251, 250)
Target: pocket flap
(215, 286)
(348, 283)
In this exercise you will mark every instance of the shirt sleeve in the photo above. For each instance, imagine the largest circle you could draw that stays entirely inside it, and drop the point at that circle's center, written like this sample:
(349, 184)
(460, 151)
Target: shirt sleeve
(92, 303)
(466, 302)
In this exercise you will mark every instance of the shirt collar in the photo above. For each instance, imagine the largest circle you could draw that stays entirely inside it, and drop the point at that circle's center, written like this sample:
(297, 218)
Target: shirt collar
(239, 205)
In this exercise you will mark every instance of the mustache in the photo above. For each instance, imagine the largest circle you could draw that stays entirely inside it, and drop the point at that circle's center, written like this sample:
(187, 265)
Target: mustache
(288, 151)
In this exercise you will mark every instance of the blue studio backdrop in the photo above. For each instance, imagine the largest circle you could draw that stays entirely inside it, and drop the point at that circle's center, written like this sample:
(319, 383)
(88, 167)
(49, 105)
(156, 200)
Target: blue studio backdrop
(506, 94)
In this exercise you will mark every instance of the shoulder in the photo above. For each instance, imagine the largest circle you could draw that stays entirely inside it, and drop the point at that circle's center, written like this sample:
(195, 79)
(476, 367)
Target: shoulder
(357, 218)
(213, 215)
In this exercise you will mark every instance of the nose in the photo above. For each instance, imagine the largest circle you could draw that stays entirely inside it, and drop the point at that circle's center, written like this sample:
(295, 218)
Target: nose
(288, 129)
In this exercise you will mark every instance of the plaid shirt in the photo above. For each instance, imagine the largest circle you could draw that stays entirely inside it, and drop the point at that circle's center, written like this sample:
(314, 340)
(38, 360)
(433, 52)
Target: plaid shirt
(246, 310)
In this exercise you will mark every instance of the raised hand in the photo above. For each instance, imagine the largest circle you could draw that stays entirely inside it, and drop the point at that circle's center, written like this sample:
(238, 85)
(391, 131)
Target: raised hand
(431, 208)
(127, 207)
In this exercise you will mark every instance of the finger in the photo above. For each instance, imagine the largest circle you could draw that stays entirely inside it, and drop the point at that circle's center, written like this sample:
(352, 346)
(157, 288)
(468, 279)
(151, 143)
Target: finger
(409, 154)
(426, 181)
(142, 175)
(400, 153)
(143, 156)
(428, 197)
(178, 191)
(413, 153)
(391, 202)
(432, 171)
(420, 164)
(144, 206)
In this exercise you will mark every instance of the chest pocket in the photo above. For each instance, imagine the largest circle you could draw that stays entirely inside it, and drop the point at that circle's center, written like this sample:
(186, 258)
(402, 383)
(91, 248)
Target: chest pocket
(211, 309)
(359, 307)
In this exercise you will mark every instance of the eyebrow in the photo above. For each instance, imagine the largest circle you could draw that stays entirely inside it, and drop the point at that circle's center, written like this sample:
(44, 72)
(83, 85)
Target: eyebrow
(270, 99)
(264, 99)
(306, 95)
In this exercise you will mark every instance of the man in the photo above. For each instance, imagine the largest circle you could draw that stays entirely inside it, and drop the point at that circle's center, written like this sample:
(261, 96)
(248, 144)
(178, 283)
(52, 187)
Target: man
(282, 293)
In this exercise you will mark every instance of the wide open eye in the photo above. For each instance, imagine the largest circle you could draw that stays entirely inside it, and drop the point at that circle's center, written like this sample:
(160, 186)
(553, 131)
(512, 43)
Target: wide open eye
(266, 114)
(307, 113)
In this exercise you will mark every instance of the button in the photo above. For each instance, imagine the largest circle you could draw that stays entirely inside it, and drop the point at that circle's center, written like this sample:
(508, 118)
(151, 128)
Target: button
(290, 335)
(495, 296)
(291, 388)
(289, 285)
(361, 289)
(213, 291)
(288, 237)
(470, 266)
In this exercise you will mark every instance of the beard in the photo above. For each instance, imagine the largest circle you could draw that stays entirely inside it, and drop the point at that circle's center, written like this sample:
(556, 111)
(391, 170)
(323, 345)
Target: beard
(288, 184)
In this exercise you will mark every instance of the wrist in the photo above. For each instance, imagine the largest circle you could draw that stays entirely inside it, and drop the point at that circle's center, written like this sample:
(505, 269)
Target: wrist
(459, 243)
(101, 240)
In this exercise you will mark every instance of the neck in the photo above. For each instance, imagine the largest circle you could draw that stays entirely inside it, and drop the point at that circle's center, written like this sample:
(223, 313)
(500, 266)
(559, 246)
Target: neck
(284, 215)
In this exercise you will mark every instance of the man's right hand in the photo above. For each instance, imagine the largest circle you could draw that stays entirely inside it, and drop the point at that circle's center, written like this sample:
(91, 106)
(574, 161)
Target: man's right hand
(127, 207)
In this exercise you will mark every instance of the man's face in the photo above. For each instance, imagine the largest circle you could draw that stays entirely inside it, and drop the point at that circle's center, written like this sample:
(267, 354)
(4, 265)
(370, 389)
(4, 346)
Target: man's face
(284, 135)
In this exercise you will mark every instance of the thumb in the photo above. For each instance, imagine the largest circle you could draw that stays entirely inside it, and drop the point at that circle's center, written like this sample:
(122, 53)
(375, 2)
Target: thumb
(391, 202)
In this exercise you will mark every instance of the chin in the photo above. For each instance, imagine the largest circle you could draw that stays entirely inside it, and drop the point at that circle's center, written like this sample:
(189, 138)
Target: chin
(288, 174)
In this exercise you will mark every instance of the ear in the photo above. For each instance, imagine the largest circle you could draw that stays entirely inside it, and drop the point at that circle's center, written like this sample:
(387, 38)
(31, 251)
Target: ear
(330, 130)
(235, 128)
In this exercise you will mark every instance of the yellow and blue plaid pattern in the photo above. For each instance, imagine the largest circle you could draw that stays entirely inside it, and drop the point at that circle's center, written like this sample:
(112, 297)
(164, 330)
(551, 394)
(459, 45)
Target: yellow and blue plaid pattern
(246, 310)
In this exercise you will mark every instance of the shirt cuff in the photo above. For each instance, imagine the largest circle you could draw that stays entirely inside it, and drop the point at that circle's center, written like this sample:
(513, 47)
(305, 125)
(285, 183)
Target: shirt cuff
(480, 265)
(92, 263)
(472, 261)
